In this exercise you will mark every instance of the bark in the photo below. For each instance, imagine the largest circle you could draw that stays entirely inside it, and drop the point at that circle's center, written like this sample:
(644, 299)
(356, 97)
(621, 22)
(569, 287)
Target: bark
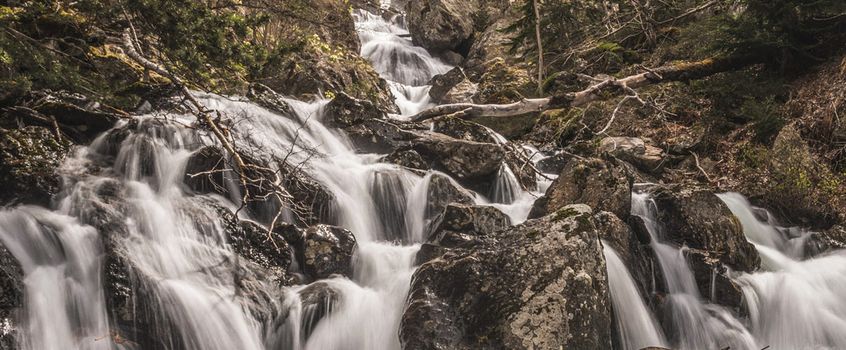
(604, 89)
(536, 4)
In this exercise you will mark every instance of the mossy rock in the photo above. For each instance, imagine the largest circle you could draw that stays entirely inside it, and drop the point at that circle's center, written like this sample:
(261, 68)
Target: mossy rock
(29, 157)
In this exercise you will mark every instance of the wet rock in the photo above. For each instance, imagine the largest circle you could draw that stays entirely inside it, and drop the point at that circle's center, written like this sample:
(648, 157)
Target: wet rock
(553, 164)
(825, 241)
(645, 157)
(443, 191)
(635, 253)
(29, 157)
(318, 300)
(11, 297)
(408, 158)
(327, 250)
(539, 285)
(466, 161)
(345, 111)
(462, 129)
(440, 25)
(699, 219)
(712, 279)
(380, 136)
(602, 184)
(267, 98)
(268, 250)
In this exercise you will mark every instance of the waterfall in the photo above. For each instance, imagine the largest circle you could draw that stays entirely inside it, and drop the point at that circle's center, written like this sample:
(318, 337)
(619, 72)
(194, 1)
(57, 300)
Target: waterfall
(635, 325)
(695, 323)
(408, 68)
(65, 307)
(795, 302)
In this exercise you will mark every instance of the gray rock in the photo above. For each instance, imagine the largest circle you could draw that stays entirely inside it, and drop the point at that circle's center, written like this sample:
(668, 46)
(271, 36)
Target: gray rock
(440, 25)
(602, 184)
(539, 285)
(327, 250)
(644, 156)
(699, 219)
(408, 158)
(345, 111)
(467, 161)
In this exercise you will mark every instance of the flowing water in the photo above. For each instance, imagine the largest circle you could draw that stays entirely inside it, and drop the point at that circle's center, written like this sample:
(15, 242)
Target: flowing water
(124, 194)
(129, 183)
(794, 302)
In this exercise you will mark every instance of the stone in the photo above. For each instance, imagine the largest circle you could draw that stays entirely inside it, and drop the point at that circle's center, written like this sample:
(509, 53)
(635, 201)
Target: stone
(634, 150)
(440, 25)
(29, 158)
(380, 136)
(825, 241)
(539, 285)
(443, 191)
(697, 218)
(408, 158)
(345, 111)
(460, 225)
(318, 300)
(443, 83)
(603, 184)
(462, 129)
(467, 161)
(327, 250)
(713, 279)
(267, 98)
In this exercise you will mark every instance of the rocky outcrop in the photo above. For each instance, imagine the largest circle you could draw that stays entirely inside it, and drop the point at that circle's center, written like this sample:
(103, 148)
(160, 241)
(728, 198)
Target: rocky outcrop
(345, 111)
(11, 295)
(327, 250)
(634, 150)
(29, 157)
(441, 25)
(539, 285)
(695, 217)
(602, 184)
(713, 279)
(825, 241)
(318, 300)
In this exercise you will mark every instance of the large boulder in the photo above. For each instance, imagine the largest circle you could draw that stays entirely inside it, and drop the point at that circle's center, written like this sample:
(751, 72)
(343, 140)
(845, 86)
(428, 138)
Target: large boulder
(603, 184)
(11, 295)
(443, 191)
(441, 25)
(697, 218)
(468, 162)
(327, 250)
(825, 241)
(460, 225)
(540, 285)
(452, 87)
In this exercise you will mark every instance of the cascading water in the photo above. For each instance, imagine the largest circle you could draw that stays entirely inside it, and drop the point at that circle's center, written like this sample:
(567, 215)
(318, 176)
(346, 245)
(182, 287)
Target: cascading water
(695, 323)
(636, 327)
(795, 302)
(408, 68)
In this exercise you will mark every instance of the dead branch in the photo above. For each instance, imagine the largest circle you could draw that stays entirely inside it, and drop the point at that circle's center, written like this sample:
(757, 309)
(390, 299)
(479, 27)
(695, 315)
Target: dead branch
(602, 90)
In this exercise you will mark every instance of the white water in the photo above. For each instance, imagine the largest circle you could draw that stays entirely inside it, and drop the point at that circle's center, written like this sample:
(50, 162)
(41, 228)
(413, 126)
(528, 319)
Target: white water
(636, 327)
(695, 323)
(408, 68)
(793, 302)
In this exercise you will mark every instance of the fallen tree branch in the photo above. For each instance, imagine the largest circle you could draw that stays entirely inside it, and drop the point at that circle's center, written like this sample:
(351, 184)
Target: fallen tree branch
(604, 89)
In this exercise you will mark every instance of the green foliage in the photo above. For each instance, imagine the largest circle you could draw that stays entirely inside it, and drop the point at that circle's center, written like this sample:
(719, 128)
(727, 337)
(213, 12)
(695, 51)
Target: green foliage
(211, 44)
(765, 116)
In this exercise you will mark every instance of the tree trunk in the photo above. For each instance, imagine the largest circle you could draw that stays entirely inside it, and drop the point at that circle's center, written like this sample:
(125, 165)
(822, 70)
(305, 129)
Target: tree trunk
(611, 87)
(536, 5)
